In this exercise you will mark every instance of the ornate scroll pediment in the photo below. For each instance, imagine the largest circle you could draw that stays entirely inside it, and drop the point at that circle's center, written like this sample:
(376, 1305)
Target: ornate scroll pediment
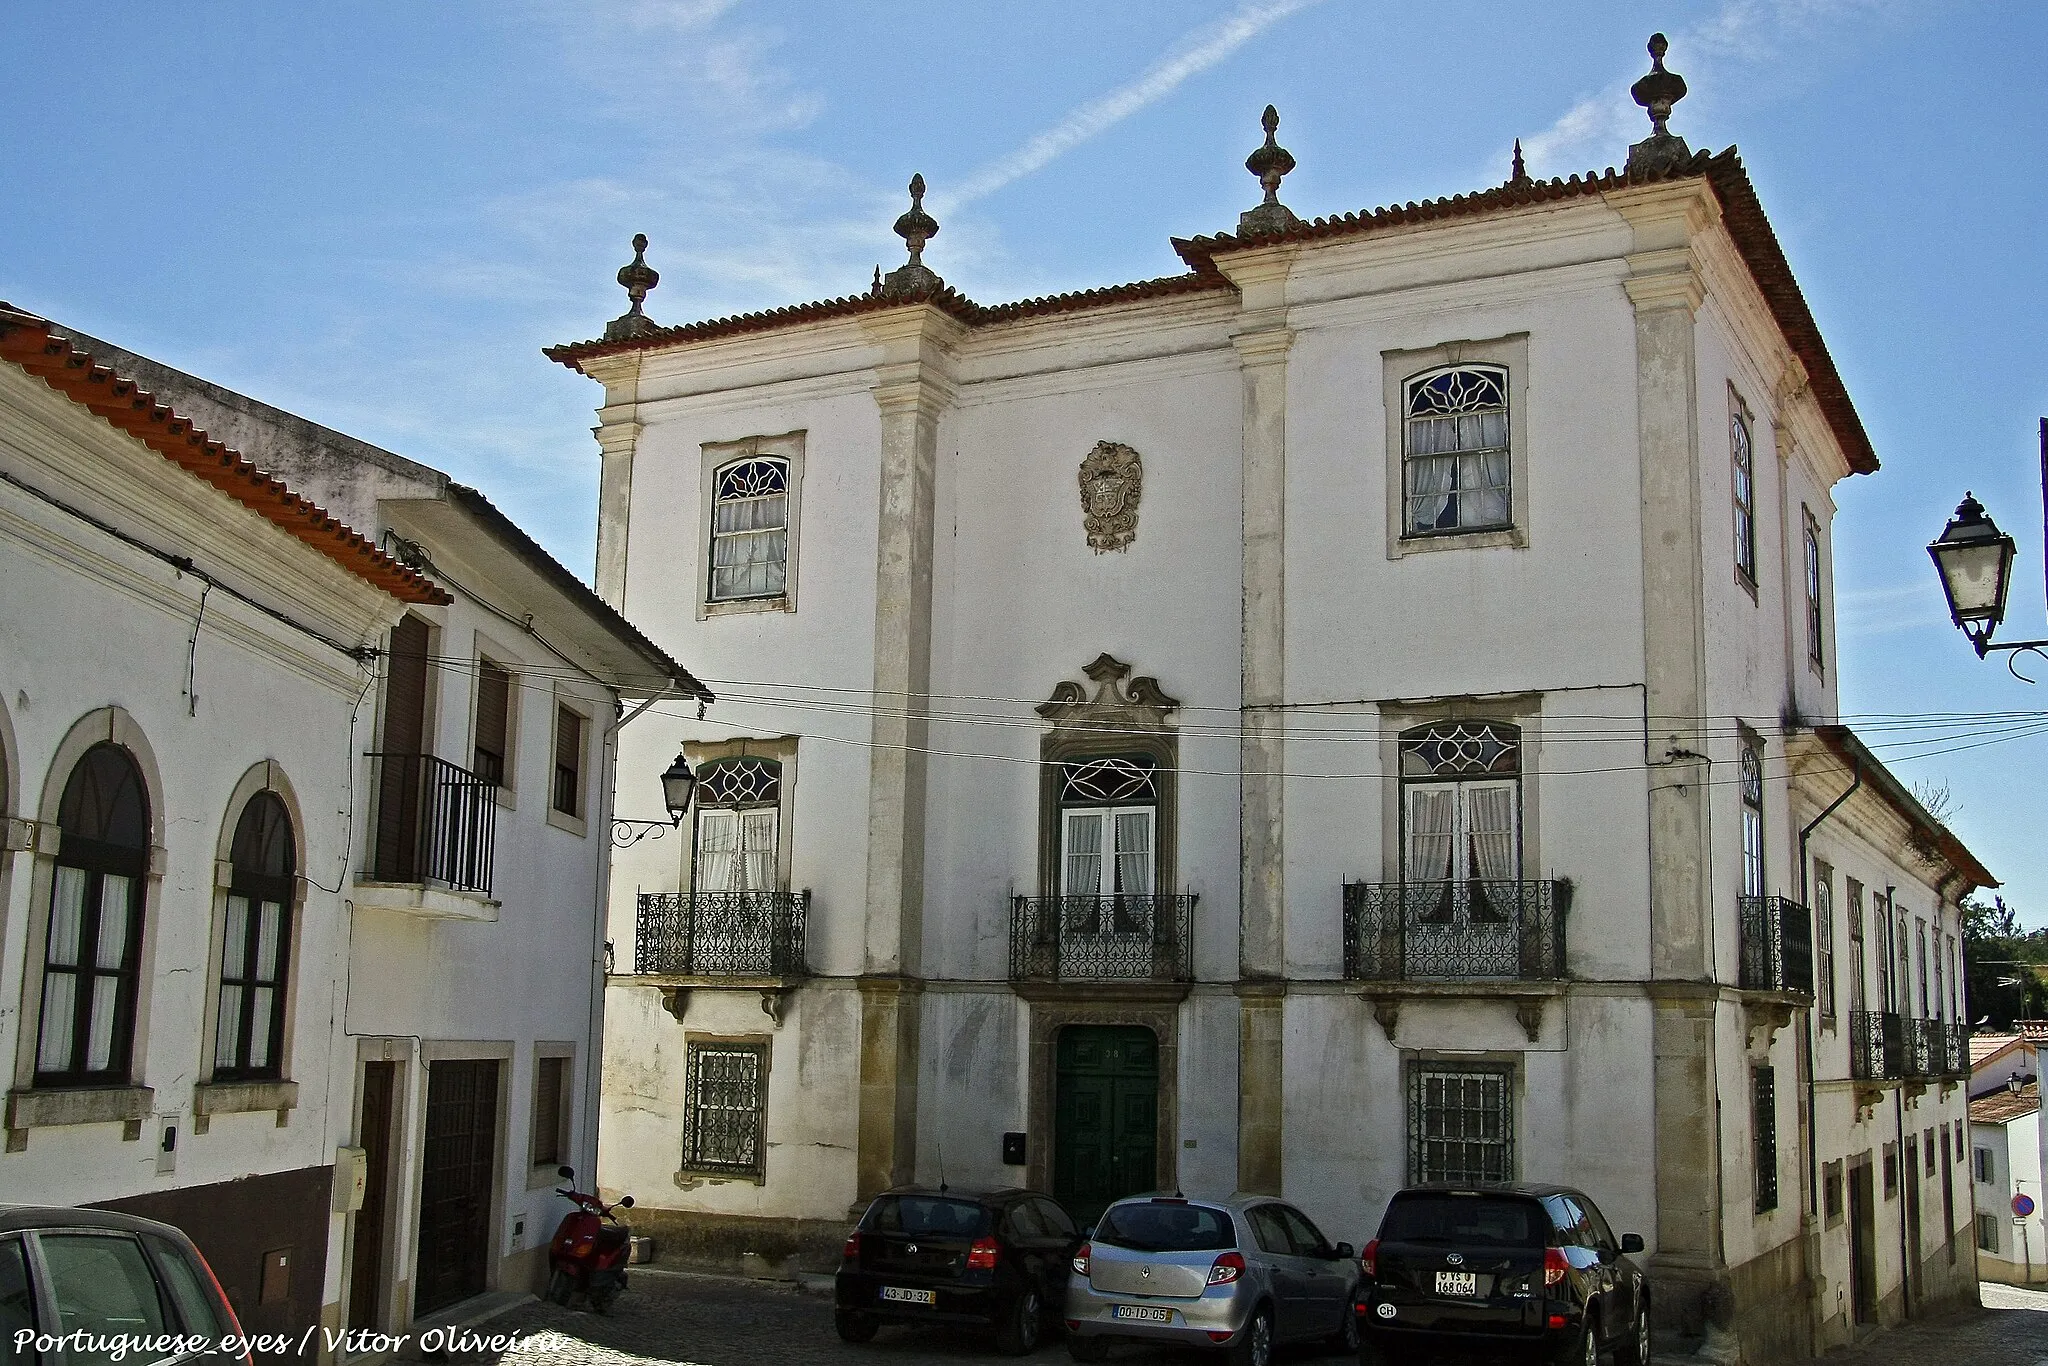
(1118, 700)
(1112, 477)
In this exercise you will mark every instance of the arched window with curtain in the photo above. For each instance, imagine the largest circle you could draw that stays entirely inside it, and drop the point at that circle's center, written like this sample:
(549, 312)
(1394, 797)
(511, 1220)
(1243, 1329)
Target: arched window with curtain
(92, 952)
(255, 956)
(1455, 454)
(738, 802)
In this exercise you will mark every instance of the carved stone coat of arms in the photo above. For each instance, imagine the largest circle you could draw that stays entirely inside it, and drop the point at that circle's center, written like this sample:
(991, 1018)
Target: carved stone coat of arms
(1112, 477)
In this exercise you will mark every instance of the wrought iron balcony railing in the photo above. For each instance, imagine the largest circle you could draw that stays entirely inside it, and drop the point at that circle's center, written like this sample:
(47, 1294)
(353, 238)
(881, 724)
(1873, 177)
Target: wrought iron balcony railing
(1455, 931)
(1102, 938)
(1951, 1050)
(1877, 1045)
(721, 934)
(1777, 945)
(436, 822)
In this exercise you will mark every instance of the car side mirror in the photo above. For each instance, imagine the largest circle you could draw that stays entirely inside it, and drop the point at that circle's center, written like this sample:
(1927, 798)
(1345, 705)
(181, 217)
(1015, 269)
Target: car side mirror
(626, 1203)
(566, 1173)
(1631, 1242)
(1344, 1252)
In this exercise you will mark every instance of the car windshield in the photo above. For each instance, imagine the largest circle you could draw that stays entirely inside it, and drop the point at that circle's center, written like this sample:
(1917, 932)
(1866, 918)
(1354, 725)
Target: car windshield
(1465, 1221)
(1158, 1226)
(927, 1216)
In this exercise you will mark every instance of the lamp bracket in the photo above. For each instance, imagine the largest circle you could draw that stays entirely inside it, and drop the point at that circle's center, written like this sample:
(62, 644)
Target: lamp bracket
(627, 833)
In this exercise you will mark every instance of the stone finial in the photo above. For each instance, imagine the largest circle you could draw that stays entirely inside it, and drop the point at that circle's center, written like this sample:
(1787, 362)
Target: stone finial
(637, 277)
(1657, 92)
(1518, 174)
(915, 227)
(1269, 163)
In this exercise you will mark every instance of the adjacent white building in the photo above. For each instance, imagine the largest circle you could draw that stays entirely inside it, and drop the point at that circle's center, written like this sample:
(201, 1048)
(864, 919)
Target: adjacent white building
(2006, 1162)
(356, 790)
(1351, 713)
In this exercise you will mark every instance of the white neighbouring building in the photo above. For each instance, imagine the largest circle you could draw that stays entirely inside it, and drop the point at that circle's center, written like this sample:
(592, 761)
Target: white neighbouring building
(443, 760)
(2006, 1162)
(184, 642)
(1355, 712)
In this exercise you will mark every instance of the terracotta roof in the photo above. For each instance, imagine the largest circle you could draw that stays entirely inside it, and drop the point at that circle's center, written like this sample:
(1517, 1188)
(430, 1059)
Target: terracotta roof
(2003, 1106)
(1741, 213)
(1984, 1047)
(30, 343)
(1852, 751)
(2033, 1031)
(946, 299)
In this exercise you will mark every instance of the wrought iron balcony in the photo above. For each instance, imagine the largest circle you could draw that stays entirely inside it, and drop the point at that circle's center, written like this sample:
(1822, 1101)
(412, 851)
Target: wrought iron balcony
(721, 934)
(1455, 931)
(1877, 1045)
(1102, 938)
(1951, 1050)
(1777, 945)
(436, 823)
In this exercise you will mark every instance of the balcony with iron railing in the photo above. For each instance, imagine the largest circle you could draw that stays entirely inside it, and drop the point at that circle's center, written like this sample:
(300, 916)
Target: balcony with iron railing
(1776, 939)
(433, 841)
(1129, 938)
(1884, 1046)
(1447, 932)
(747, 940)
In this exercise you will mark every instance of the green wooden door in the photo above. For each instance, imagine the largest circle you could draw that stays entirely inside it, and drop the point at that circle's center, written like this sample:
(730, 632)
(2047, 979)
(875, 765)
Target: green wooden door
(1105, 1117)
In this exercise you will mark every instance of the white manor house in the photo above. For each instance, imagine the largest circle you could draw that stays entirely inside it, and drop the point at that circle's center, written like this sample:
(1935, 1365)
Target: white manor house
(1359, 711)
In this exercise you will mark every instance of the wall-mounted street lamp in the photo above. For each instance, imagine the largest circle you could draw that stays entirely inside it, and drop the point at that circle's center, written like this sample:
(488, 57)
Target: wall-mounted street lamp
(678, 784)
(1974, 559)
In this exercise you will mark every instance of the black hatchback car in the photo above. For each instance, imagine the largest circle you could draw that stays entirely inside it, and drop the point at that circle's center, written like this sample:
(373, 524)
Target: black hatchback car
(994, 1259)
(1523, 1270)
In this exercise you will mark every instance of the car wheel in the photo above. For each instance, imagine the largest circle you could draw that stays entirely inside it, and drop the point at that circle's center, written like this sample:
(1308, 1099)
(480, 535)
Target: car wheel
(1087, 1349)
(1585, 1349)
(1017, 1334)
(852, 1326)
(1636, 1351)
(1346, 1338)
(1255, 1344)
(560, 1287)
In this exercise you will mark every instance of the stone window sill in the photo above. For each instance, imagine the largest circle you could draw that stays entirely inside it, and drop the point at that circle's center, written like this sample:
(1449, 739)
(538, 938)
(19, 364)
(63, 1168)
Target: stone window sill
(242, 1097)
(54, 1109)
(1513, 537)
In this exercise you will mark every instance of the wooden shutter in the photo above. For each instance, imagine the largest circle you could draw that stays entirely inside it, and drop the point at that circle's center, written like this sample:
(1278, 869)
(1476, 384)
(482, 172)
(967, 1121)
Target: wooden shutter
(405, 688)
(493, 706)
(568, 762)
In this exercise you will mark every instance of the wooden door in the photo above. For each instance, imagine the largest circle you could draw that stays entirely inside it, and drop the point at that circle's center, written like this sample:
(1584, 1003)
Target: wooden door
(1912, 1203)
(1105, 1116)
(405, 739)
(366, 1263)
(1862, 1245)
(457, 1168)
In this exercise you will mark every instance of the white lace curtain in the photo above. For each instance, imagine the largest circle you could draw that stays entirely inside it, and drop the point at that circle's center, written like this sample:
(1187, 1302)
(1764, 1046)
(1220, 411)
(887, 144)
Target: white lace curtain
(1462, 830)
(1458, 471)
(736, 850)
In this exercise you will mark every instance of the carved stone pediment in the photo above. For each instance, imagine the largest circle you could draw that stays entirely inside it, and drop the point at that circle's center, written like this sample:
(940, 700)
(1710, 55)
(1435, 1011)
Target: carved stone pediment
(1138, 703)
(1112, 478)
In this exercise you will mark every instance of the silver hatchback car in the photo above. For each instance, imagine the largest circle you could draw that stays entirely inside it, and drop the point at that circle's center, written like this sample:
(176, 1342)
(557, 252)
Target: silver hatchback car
(1240, 1275)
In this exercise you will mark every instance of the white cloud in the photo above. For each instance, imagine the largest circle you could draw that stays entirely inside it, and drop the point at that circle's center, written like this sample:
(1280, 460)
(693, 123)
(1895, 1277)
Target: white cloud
(1195, 53)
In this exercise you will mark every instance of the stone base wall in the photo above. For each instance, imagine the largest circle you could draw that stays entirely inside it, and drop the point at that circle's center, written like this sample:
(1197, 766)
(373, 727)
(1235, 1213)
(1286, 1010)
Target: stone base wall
(1945, 1287)
(1773, 1306)
(740, 1244)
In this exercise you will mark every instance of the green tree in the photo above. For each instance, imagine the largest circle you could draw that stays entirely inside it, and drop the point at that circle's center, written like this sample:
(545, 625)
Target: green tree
(2004, 966)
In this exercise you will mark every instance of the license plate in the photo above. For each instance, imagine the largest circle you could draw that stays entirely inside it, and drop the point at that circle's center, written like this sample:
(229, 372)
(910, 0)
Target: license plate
(1457, 1283)
(1142, 1313)
(902, 1296)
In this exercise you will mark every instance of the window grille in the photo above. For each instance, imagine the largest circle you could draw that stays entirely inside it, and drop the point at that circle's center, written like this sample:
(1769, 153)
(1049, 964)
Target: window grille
(1456, 749)
(1461, 1124)
(1831, 1193)
(744, 781)
(726, 1101)
(1764, 1094)
(1455, 458)
(1110, 780)
(1744, 462)
(750, 530)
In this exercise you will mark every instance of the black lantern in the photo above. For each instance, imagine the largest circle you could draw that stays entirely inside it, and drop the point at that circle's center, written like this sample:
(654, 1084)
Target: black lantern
(676, 786)
(1975, 561)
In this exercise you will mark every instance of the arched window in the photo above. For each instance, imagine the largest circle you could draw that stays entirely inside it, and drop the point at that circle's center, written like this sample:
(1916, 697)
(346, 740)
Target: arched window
(750, 530)
(248, 1040)
(738, 804)
(93, 950)
(1455, 456)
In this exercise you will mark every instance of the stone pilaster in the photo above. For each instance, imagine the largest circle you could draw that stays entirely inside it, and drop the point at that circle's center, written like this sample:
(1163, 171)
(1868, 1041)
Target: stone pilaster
(618, 433)
(1666, 289)
(1261, 1023)
(913, 386)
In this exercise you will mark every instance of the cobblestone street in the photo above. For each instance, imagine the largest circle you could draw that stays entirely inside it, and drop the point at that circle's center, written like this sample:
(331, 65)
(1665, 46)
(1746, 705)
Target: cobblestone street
(674, 1317)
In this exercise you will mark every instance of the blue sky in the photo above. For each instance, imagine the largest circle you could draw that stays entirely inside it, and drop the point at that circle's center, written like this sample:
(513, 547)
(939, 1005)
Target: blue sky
(377, 214)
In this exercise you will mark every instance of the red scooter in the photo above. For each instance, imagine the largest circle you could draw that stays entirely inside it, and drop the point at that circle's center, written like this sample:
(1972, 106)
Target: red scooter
(588, 1254)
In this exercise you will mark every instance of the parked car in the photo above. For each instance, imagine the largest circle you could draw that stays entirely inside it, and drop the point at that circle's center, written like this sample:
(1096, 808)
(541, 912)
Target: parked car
(995, 1259)
(1241, 1275)
(110, 1276)
(1532, 1269)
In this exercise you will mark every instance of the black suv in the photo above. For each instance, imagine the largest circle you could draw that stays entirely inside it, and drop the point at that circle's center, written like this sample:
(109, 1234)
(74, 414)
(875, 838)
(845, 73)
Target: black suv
(1529, 1269)
(995, 1259)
